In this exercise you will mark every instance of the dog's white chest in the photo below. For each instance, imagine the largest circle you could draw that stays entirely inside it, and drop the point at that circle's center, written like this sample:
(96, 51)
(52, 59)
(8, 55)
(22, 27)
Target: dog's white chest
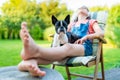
(59, 39)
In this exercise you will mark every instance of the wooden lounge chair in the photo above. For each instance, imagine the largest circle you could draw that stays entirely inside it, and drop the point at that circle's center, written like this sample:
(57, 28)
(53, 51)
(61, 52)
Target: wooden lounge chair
(89, 61)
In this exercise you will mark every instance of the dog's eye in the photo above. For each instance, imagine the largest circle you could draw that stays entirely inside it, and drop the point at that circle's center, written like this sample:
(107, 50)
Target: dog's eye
(64, 24)
(58, 23)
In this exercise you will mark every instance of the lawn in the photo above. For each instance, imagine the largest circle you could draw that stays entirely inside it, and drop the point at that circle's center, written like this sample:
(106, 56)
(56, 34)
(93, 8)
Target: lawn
(10, 55)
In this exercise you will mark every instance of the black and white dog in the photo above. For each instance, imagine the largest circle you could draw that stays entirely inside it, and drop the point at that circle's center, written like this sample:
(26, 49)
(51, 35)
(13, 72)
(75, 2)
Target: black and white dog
(61, 36)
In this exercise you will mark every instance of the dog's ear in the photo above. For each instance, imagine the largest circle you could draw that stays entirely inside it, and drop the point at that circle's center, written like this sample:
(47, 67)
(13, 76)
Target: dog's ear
(54, 20)
(67, 19)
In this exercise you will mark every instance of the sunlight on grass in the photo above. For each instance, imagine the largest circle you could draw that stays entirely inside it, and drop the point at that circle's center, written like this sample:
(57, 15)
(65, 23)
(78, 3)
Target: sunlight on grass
(10, 51)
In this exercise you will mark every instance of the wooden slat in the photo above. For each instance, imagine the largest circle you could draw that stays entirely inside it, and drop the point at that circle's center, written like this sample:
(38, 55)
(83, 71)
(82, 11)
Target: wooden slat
(91, 63)
(83, 76)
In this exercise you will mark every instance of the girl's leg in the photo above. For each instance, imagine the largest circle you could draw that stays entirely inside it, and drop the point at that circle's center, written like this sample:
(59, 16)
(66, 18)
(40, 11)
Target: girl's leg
(31, 50)
(60, 53)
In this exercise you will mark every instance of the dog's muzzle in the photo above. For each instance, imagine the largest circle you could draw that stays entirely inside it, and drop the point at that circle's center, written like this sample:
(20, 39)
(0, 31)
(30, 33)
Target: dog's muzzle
(61, 29)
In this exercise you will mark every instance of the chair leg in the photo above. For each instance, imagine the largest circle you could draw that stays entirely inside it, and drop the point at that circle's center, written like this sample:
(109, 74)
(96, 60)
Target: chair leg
(53, 66)
(97, 61)
(68, 73)
(102, 71)
(95, 72)
(102, 65)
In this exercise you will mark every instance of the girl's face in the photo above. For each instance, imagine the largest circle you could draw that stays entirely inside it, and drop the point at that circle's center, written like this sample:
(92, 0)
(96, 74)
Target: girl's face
(82, 12)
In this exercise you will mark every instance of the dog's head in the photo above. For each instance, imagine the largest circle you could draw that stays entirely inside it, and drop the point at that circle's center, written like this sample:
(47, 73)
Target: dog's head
(61, 26)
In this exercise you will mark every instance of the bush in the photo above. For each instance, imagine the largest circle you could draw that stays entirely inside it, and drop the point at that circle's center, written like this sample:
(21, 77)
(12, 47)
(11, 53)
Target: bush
(48, 32)
(113, 28)
(3, 33)
(36, 32)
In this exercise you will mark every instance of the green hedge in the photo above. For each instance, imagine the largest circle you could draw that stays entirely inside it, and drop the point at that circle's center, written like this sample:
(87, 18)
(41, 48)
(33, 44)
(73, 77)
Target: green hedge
(36, 32)
(3, 33)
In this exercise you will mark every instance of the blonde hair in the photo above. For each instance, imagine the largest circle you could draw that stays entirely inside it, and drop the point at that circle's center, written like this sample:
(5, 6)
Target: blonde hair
(75, 15)
(84, 7)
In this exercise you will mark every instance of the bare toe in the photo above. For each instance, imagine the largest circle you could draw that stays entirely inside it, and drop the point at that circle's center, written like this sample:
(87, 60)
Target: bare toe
(26, 39)
(35, 71)
(23, 24)
(42, 73)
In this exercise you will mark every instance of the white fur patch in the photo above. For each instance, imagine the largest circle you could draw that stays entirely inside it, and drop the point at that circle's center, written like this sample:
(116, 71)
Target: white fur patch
(59, 39)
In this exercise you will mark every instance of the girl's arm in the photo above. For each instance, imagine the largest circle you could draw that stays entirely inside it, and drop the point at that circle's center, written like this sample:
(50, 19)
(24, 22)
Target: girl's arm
(98, 32)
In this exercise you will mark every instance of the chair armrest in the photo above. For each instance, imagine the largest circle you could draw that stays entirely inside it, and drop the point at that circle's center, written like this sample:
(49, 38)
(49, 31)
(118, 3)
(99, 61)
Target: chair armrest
(51, 35)
(102, 40)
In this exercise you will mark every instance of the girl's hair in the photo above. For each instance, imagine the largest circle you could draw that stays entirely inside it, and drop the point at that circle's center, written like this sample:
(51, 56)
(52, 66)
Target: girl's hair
(75, 15)
(84, 7)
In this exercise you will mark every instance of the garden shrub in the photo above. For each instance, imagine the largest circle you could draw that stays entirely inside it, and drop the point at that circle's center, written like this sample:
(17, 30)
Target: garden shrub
(48, 32)
(36, 32)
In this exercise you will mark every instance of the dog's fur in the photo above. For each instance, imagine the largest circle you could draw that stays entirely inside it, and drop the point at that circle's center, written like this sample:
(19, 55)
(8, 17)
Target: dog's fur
(62, 36)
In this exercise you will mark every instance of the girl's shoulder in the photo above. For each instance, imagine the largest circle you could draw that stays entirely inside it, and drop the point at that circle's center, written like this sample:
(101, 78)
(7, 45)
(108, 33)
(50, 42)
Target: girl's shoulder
(92, 21)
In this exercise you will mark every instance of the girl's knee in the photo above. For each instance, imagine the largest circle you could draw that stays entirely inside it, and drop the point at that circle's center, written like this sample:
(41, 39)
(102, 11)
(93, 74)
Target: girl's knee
(68, 47)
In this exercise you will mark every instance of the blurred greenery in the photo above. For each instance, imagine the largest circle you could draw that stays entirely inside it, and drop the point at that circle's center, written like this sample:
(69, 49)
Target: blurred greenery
(10, 51)
(49, 31)
(38, 17)
(113, 29)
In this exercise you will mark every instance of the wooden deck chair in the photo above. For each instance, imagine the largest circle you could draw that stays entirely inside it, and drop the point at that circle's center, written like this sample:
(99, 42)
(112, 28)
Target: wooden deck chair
(88, 61)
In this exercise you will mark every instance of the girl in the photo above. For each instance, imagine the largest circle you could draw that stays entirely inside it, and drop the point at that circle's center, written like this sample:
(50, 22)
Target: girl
(34, 55)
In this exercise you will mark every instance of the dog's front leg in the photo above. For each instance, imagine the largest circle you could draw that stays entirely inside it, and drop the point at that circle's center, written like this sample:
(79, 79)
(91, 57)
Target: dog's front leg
(56, 42)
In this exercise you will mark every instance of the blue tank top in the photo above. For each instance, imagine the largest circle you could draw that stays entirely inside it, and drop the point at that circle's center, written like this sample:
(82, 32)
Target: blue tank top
(80, 30)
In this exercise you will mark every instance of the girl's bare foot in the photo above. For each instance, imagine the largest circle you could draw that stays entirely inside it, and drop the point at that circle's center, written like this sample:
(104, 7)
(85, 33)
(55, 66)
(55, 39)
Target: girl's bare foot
(32, 67)
(30, 49)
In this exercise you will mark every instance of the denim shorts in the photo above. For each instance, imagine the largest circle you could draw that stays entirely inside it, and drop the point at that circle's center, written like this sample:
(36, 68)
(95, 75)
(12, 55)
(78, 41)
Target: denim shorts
(88, 47)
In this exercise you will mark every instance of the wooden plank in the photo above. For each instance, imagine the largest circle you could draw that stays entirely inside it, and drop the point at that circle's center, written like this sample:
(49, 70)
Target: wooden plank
(84, 76)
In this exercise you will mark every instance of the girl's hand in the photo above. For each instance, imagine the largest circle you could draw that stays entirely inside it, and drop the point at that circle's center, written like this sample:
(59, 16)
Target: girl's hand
(82, 40)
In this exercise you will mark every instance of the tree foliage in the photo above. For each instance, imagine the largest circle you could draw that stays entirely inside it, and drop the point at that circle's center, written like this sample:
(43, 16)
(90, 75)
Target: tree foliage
(99, 8)
(35, 14)
(113, 28)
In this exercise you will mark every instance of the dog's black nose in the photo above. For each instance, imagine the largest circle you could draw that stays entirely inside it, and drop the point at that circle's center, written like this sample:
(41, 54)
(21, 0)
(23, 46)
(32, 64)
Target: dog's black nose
(62, 29)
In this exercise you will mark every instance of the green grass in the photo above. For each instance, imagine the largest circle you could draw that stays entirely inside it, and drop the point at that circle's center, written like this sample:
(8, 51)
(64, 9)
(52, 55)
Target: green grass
(10, 51)
(10, 55)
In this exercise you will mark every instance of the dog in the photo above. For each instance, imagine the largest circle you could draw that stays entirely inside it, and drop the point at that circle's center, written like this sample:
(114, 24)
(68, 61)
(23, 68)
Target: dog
(61, 36)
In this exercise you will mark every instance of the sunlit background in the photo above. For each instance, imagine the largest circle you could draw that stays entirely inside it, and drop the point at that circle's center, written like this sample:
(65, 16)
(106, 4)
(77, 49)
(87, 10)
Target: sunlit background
(19, 11)
(74, 4)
